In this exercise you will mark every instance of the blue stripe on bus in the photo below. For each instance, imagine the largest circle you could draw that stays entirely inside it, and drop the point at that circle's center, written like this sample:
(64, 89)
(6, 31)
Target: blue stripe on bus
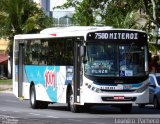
(45, 75)
(49, 77)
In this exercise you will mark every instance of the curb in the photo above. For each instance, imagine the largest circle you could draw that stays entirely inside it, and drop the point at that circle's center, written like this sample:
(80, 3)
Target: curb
(6, 91)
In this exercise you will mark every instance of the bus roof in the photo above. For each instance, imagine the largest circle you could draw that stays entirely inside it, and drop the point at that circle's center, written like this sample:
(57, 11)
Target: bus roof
(72, 31)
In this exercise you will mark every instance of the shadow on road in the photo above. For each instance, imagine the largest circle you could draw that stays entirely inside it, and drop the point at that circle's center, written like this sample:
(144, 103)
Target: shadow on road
(109, 110)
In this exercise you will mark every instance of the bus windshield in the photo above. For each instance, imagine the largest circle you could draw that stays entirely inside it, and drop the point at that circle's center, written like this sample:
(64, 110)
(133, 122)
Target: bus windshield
(116, 60)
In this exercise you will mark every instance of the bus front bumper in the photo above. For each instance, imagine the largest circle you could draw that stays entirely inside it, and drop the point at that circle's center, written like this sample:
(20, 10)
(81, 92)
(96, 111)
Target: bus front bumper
(88, 96)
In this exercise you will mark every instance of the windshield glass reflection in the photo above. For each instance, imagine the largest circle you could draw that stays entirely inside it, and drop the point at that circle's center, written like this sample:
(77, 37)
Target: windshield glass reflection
(115, 60)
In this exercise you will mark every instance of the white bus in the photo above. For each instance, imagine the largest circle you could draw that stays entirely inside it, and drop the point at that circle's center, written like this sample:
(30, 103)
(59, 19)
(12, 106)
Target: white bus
(82, 66)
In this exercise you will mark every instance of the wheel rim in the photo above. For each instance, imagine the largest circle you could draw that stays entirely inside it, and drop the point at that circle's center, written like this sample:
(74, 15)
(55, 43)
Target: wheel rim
(32, 97)
(71, 101)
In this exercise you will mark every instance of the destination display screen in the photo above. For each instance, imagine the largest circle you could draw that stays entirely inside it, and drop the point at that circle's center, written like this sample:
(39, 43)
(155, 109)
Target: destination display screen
(117, 35)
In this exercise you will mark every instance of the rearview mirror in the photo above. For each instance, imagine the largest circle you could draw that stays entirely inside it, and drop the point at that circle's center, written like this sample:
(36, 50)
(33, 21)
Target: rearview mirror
(83, 54)
(152, 85)
(83, 51)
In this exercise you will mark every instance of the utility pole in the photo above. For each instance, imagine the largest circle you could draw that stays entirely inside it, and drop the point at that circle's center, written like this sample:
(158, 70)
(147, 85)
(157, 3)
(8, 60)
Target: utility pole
(155, 21)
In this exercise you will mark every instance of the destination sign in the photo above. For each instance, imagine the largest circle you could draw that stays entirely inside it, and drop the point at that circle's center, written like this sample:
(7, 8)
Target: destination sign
(117, 36)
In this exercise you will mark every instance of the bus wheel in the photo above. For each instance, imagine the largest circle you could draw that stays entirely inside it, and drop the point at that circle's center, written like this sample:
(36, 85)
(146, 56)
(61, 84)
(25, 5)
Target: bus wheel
(141, 105)
(155, 103)
(43, 105)
(126, 108)
(73, 108)
(33, 102)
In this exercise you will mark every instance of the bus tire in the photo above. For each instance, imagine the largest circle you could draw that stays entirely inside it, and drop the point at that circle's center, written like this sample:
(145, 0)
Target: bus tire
(73, 108)
(43, 105)
(156, 103)
(33, 102)
(126, 108)
(68, 97)
(141, 105)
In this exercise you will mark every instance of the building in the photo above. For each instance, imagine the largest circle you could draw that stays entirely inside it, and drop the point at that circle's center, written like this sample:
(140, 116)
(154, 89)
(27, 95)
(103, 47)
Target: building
(5, 66)
(61, 17)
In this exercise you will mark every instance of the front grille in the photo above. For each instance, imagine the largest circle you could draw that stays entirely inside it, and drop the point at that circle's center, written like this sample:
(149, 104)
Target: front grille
(118, 90)
(125, 99)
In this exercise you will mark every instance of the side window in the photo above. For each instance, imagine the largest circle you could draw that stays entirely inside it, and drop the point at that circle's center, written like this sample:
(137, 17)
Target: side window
(28, 53)
(32, 52)
(16, 51)
(49, 51)
(151, 80)
(59, 51)
(69, 48)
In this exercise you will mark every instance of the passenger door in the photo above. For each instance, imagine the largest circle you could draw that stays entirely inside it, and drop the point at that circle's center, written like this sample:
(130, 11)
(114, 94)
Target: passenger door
(20, 69)
(152, 87)
(77, 71)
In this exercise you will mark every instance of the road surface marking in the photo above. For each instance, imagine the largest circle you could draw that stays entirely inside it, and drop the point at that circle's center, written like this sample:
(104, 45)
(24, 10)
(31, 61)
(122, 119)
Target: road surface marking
(4, 110)
(50, 116)
(97, 123)
(16, 111)
(34, 114)
(74, 120)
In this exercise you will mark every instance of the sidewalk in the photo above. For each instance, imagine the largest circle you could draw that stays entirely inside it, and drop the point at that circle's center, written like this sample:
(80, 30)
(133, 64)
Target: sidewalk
(5, 88)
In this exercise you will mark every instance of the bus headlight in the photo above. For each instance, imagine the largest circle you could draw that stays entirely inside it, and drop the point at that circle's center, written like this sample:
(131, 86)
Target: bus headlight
(93, 88)
(142, 88)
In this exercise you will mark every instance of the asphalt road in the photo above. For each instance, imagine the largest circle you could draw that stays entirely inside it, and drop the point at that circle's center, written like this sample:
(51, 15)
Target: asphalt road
(14, 111)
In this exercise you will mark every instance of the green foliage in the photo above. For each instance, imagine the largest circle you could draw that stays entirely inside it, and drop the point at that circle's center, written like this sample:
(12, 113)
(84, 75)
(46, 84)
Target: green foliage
(123, 14)
(135, 14)
(149, 9)
(116, 13)
(84, 13)
(21, 16)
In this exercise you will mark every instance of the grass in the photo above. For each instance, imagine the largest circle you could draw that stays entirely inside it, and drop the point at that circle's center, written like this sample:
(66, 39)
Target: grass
(5, 85)
(8, 82)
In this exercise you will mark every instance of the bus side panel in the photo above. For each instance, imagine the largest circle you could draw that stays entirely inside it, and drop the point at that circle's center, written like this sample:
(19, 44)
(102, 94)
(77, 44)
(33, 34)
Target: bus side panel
(25, 84)
(50, 82)
(15, 80)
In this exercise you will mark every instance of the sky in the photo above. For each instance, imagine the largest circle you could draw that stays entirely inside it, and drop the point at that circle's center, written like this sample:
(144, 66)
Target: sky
(59, 12)
(55, 3)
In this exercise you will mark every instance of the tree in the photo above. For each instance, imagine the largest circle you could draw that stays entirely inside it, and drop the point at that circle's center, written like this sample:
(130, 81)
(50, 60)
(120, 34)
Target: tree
(21, 16)
(152, 9)
(83, 11)
(120, 14)
(136, 14)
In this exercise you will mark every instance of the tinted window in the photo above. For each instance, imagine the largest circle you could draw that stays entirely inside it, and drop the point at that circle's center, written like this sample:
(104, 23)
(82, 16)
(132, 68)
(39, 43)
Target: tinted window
(104, 59)
(158, 79)
(49, 52)
(151, 80)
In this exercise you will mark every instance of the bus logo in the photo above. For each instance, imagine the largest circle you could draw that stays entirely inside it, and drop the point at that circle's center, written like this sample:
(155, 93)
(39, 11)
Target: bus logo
(50, 78)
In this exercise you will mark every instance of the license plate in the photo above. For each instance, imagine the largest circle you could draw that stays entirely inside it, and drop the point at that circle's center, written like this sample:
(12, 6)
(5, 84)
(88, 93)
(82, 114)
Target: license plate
(118, 97)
